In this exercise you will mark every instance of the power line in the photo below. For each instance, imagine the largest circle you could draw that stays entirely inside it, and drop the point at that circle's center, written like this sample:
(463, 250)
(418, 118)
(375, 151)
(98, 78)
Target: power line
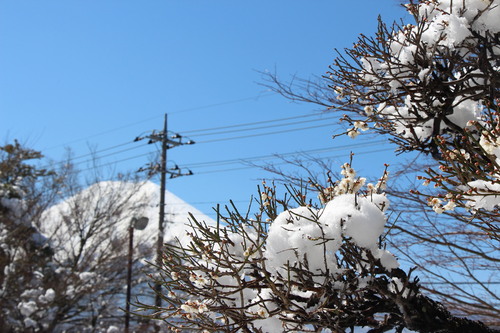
(207, 106)
(252, 123)
(116, 162)
(95, 156)
(267, 126)
(94, 153)
(118, 152)
(262, 94)
(198, 165)
(273, 156)
(215, 140)
(285, 162)
(264, 134)
(207, 202)
(100, 151)
(253, 158)
(213, 163)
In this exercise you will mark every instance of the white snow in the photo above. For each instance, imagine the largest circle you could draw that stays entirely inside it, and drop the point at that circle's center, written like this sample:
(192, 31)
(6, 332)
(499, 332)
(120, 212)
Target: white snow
(27, 308)
(485, 195)
(83, 231)
(445, 26)
(132, 200)
(48, 297)
(304, 238)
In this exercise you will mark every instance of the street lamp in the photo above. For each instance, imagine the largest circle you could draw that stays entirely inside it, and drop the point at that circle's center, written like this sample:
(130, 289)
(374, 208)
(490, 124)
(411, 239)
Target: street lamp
(139, 224)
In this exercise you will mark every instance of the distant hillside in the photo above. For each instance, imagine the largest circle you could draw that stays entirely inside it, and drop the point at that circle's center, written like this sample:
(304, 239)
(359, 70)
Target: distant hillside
(119, 202)
(88, 239)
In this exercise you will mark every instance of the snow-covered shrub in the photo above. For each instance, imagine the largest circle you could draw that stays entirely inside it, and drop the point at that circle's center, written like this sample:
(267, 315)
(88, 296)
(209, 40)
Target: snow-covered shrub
(307, 268)
(433, 86)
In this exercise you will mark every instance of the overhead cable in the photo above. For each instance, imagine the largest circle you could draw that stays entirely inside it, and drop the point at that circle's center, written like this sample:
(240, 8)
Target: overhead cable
(285, 162)
(253, 123)
(278, 155)
(264, 134)
(254, 98)
(263, 127)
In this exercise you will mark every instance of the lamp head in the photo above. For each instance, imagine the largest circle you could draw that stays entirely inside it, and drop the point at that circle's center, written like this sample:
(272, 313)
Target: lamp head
(139, 223)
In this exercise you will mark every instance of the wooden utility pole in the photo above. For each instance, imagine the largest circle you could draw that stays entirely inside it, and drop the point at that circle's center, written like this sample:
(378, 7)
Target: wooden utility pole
(161, 219)
(167, 142)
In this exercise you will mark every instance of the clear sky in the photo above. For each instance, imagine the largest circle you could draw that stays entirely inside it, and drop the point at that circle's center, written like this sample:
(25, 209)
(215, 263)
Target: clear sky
(97, 74)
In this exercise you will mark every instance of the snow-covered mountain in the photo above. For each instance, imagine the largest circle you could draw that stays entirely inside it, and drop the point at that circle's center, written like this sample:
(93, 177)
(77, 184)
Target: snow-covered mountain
(108, 208)
(88, 236)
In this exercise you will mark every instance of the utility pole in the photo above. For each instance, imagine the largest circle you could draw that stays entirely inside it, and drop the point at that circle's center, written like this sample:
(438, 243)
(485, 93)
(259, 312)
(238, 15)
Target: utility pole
(168, 141)
(161, 219)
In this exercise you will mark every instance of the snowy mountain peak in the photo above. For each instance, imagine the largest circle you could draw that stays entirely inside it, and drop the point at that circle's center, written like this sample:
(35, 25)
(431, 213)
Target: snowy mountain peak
(101, 215)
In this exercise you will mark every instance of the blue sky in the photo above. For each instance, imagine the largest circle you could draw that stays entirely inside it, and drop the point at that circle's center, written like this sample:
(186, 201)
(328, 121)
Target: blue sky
(97, 74)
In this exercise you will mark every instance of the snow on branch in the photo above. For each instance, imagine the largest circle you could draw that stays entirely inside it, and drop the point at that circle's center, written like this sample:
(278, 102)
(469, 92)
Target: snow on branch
(432, 85)
(308, 268)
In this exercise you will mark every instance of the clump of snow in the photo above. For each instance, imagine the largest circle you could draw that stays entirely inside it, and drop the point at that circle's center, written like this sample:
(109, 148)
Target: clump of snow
(307, 236)
(28, 323)
(387, 259)
(48, 297)
(27, 308)
(87, 276)
(359, 218)
(397, 287)
(484, 194)
(113, 329)
(294, 236)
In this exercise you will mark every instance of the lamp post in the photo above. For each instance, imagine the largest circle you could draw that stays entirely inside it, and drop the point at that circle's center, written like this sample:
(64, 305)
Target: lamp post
(139, 224)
